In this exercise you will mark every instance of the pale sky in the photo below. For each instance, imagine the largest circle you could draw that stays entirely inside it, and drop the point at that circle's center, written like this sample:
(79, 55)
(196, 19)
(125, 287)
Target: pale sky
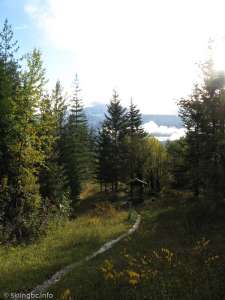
(144, 48)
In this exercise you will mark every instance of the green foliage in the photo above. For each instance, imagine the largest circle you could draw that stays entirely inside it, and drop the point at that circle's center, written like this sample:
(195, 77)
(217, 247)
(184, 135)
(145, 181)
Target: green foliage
(19, 144)
(125, 151)
(53, 182)
(177, 164)
(165, 259)
(103, 157)
(31, 176)
(111, 150)
(155, 166)
(204, 118)
(59, 107)
(148, 161)
(134, 121)
(115, 125)
(134, 143)
(25, 266)
(76, 149)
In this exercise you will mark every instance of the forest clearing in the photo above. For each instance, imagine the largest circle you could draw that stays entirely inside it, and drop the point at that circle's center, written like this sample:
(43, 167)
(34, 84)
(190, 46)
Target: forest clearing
(173, 241)
(108, 206)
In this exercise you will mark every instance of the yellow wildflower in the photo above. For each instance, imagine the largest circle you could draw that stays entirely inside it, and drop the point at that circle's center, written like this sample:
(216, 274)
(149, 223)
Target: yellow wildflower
(133, 281)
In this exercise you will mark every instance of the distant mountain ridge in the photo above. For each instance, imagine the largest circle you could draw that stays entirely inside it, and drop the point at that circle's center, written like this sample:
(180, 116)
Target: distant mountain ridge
(96, 115)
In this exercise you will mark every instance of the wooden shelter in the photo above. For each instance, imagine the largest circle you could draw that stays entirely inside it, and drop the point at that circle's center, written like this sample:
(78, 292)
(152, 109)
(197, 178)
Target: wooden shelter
(137, 189)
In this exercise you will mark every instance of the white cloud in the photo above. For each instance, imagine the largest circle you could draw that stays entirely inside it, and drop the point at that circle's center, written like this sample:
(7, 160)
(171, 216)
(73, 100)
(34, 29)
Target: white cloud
(30, 9)
(145, 48)
(164, 133)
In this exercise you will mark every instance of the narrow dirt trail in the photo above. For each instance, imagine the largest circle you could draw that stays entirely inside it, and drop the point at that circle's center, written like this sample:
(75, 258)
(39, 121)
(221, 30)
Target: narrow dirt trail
(58, 275)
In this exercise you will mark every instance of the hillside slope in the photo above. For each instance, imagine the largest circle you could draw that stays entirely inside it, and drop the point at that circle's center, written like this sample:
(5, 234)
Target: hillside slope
(64, 243)
(178, 253)
(97, 112)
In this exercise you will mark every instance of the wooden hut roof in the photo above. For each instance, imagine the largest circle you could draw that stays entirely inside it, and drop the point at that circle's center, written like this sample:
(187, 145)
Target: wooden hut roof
(137, 180)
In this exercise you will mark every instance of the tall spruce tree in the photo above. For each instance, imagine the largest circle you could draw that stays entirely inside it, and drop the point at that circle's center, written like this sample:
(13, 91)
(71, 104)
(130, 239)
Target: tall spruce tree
(104, 158)
(134, 120)
(204, 118)
(134, 138)
(112, 135)
(76, 146)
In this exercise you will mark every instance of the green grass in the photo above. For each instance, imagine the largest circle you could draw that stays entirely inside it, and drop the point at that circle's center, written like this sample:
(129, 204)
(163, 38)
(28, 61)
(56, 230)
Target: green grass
(178, 253)
(23, 267)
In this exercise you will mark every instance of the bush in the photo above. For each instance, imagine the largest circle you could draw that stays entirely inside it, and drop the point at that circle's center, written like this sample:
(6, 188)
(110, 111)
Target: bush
(165, 274)
(105, 209)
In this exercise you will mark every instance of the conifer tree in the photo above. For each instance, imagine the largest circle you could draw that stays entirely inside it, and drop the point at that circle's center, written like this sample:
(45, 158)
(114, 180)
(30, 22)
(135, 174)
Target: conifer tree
(134, 138)
(113, 134)
(204, 118)
(104, 158)
(76, 146)
(134, 120)
(59, 108)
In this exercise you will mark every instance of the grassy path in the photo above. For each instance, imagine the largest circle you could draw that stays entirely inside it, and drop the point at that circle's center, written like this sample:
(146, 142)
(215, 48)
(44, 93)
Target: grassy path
(165, 259)
(108, 245)
(24, 267)
(177, 253)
